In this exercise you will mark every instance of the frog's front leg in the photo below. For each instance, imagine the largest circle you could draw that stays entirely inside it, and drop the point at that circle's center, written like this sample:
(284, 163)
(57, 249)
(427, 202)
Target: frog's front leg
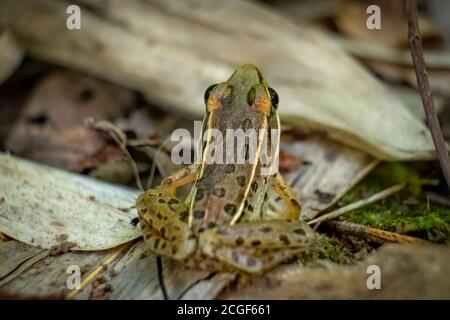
(255, 247)
(181, 177)
(288, 195)
(164, 223)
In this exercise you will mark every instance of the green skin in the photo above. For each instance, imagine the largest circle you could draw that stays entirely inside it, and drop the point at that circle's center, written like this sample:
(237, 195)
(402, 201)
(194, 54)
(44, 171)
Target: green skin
(223, 225)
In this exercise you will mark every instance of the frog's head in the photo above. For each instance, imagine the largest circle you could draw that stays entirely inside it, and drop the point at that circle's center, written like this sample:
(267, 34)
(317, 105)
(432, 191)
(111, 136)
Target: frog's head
(246, 88)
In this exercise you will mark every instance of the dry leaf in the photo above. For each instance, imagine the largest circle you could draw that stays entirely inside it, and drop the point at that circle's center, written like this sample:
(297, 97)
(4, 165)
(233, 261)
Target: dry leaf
(50, 127)
(42, 204)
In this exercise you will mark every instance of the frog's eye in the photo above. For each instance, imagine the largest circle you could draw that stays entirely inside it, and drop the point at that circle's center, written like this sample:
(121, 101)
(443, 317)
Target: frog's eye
(208, 92)
(273, 98)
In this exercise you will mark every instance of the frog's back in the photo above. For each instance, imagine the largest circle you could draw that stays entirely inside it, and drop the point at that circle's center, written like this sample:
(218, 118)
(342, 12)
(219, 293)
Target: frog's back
(239, 108)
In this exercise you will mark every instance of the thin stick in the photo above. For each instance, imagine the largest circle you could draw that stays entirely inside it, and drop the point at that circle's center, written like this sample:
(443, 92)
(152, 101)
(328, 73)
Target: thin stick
(377, 235)
(359, 204)
(415, 44)
(130, 160)
(438, 199)
(99, 269)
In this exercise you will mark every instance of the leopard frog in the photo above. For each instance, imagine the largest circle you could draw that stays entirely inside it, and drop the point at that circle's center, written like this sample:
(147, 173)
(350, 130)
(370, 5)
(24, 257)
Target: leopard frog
(224, 223)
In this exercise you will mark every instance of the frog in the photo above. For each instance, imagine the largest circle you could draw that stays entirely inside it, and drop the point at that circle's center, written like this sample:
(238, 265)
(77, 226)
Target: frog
(225, 224)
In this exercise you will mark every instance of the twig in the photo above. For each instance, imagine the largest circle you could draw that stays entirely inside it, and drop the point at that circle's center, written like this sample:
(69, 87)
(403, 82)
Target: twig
(437, 198)
(359, 204)
(376, 235)
(100, 269)
(120, 139)
(415, 44)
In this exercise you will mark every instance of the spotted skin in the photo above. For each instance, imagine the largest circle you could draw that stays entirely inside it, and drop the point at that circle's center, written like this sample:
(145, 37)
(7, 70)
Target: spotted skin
(252, 247)
(221, 225)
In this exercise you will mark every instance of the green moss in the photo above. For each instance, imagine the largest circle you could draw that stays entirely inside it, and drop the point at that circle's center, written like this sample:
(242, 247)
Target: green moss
(408, 212)
(332, 250)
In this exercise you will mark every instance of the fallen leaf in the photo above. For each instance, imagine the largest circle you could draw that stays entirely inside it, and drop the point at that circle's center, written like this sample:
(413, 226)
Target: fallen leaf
(43, 203)
(50, 127)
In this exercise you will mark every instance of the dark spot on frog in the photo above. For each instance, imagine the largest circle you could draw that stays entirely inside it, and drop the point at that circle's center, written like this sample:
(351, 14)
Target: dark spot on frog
(230, 168)
(199, 194)
(143, 210)
(163, 245)
(162, 231)
(254, 186)
(295, 202)
(156, 244)
(148, 236)
(222, 231)
(255, 243)
(191, 236)
(230, 209)
(199, 214)
(159, 216)
(250, 208)
(241, 180)
(266, 229)
(239, 241)
(219, 192)
(266, 196)
(324, 197)
(211, 225)
(161, 201)
(134, 221)
(91, 198)
(184, 216)
(283, 238)
(174, 249)
(251, 261)
(300, 231)
(173, 201)
(235, 256)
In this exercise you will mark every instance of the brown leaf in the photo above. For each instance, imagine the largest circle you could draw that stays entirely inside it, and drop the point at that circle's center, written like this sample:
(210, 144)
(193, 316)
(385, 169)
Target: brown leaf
(50, 127)
(289, 162)
(108, 154)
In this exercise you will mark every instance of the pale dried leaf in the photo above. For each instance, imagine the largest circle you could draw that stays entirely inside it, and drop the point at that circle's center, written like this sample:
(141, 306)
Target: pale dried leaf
(44, 206)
